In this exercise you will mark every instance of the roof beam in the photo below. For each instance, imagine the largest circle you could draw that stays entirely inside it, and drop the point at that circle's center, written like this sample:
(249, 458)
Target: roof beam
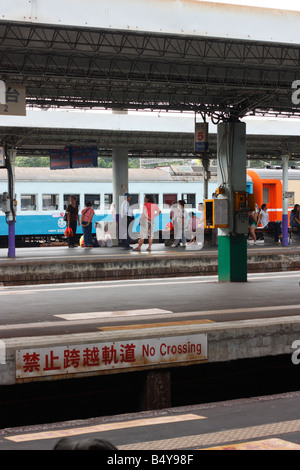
(180, 17)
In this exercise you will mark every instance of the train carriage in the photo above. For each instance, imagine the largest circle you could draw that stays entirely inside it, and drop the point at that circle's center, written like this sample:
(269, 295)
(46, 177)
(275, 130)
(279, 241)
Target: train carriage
(267, 187)
(43, 195)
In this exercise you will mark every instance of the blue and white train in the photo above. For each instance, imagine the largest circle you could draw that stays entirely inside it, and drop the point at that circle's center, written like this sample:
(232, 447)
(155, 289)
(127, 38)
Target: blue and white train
(42, 195)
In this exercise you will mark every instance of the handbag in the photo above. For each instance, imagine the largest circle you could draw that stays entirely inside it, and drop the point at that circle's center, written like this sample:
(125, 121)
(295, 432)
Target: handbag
(85, 223)
(68, 232)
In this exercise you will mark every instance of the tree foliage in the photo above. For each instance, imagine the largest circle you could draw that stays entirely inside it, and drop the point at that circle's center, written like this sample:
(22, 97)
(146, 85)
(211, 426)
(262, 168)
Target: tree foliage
(33, 161)
(45, 162)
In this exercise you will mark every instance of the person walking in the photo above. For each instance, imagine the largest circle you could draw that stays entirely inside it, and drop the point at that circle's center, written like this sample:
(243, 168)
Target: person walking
(73, 220)
(87, 215)
(147, 222)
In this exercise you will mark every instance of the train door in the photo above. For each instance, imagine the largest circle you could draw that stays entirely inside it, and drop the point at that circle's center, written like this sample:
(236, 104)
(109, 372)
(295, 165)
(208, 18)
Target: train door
(272, 196)
(267, 191)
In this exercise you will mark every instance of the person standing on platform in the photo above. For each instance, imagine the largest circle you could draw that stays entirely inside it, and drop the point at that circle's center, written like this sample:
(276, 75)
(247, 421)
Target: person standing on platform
(147, 222)
(295, 218)
(87, 215)
(193, 228)
(180, 217)
(263, 219)
(126, 217)
(73, 220)
(252, 225)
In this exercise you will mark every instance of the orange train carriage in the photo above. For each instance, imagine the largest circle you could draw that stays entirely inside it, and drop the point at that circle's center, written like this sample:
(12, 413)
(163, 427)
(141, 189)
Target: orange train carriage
(267, 187)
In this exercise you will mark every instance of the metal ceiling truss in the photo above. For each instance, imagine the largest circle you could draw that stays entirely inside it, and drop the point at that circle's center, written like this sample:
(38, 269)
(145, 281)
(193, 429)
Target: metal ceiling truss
(73, 67)
(146, 144)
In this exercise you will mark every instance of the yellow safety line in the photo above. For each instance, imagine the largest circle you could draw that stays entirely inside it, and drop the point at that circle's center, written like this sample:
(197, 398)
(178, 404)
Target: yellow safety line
(102, 427)
(267, 444)
(218, 438)
(152, 325)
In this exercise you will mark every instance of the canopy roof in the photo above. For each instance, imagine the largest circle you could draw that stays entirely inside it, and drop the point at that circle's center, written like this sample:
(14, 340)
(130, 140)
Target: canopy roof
(221, 60)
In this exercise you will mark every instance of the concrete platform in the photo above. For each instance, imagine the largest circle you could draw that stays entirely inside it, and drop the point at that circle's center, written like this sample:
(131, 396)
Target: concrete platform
(262, 423)
(67, 330)
(45, 358)
(61, 264)
(200, 321)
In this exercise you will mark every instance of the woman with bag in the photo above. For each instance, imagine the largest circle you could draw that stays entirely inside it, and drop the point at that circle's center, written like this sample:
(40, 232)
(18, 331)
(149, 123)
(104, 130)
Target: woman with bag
(87, 215)
(73, 219)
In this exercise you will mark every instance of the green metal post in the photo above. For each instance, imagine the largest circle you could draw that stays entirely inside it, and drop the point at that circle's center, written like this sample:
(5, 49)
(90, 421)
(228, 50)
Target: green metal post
(232, 245)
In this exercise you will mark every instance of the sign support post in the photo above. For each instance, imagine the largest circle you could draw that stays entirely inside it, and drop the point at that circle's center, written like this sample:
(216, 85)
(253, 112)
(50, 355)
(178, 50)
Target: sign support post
(11, 155)
(285, 199)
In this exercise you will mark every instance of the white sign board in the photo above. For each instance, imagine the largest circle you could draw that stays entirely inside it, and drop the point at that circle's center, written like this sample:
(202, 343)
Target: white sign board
(41, 362)
(2, 157)
(201, 136)
(15, 104)
(2, 92)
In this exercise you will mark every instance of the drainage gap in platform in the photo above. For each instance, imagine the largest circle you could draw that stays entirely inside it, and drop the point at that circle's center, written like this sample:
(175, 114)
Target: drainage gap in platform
(108, 395)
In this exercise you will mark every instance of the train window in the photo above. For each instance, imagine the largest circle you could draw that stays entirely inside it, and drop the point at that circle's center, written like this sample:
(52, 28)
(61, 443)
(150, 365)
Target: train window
(28, 202)
(266, 197)
(107, 201)
(50, 202)
(94, 199)
(155, 198)
(190, 199)
(169, 199)
(67, 200)
(135, 200)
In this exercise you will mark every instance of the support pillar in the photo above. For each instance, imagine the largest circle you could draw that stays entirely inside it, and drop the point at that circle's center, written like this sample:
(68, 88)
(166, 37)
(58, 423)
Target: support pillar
(232, 241)
(206, 177)
(120, 175)
(285, 201)
(157, 390)
(120, 179)
(11, 216)
(119, 170)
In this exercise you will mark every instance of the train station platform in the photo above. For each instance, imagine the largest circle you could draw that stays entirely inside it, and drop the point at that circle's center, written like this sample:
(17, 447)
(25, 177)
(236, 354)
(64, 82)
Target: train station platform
(138, 336)
(148, 328)
(261, 423)
(44, 265)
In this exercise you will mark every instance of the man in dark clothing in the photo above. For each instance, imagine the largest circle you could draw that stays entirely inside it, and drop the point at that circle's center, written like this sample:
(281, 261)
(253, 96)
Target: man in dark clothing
(73, 220)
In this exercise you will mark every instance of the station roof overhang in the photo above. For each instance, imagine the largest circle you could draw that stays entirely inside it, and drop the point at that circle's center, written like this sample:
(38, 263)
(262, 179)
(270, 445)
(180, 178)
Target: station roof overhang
(220, 60)
(143, 135)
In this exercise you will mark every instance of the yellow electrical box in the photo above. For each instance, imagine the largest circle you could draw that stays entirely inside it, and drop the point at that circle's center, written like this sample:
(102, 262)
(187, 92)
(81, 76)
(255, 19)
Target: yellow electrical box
(216, 213)
(243, 201)
(239, 200)
(251, 201)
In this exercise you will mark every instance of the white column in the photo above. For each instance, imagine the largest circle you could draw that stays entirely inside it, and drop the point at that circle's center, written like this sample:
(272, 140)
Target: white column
(120, 175)
(11, 193)
(285, 200)
(206, 177)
